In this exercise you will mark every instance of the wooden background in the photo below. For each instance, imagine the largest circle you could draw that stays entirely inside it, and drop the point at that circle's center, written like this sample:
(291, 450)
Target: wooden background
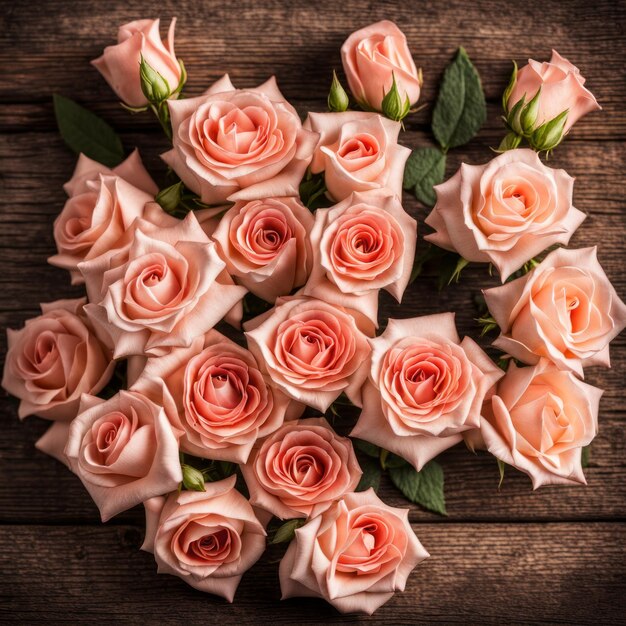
(500, 556)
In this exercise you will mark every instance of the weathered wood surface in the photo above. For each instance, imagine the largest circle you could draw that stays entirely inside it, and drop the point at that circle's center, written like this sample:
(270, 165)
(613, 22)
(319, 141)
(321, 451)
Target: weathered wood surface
(555, 555)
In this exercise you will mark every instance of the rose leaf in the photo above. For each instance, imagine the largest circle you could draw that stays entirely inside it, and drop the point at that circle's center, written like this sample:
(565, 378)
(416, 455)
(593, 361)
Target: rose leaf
(425, 168)
(424, 488)
(371, 474)
(287, 531)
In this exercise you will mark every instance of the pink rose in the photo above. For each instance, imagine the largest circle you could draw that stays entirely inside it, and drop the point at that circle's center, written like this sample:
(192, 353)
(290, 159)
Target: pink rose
(561, 88)
(119, 64)
(159, 290)
(103, 204)
(299, 470)
(234, 144)
(426, 387)
(54, 359)
(209, 539)
(265, 245)
(313, 351)
(504, 212)
(539, 420)
(214, 396)
(357, 152)
(361, 245)
(565, 310)
(370, 56)
(355, 555)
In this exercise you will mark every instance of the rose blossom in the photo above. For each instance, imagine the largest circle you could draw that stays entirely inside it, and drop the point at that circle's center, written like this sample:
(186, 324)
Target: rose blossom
(119, 64)
(426, 387)
(209, 539)
(300, 469)
(539, 419)
(504, 212)
(54, 359)
(357, 152)
(363, 244)
(565, 310)
(561, 88)
(355, 555)
(265, 245)
(370, 56)
(239, 144)
(102, 205)
(313, 351)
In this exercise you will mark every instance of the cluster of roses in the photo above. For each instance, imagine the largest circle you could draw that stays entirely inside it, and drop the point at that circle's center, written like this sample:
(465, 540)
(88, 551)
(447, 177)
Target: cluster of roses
(157, 285)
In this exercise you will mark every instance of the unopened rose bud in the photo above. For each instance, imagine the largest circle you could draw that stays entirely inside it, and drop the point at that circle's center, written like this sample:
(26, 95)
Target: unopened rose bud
(549, 135)
(337, 97)
(510, 142)
(528, 116)
(170, 197)
(153, 85)
(193, 480)
(393, 106)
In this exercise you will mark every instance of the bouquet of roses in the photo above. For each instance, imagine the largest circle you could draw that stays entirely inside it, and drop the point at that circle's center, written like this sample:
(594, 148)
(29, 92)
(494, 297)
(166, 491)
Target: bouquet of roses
(289, 230)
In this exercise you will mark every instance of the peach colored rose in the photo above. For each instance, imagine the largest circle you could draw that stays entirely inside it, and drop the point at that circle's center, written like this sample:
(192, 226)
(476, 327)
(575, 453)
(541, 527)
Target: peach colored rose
(363, 244)
(119, 64)
(355, 555)
(159, 290)
(209, 539)
(426, 387)
(539, 420)
(357, 152)
(214, 396)
(234, 144)
(299, 470)
(504, 212)
(565, 310)
(561, 88)
(54, 359)
(370, 56)
(265, 245)
(103, 204)
(313, 351)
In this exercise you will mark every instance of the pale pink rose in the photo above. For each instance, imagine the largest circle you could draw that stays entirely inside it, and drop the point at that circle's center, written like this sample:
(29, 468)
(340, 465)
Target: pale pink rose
(299, 470)
(561, 88)
(504, 212)
(103, 203)
(361, 245)
(539, 420)
(119, 64)
(214, 396)
(426, 388)
(313, 351)
(209, 539)
(370, 56)
(357, 152)
(235, 144)
(160, 289)
(355, 555)
(265, 245)
(54, 359)
(565, 310)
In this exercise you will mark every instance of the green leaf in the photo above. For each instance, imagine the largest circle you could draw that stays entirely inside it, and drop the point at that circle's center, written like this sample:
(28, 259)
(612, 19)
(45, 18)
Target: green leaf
(460, 110)
(450, 267)
(366, 447)
(85, 132)
(585, 456)
(424, 488)
(313, 191)
(371, 474)
(287, 531)
(170, 197)
(501, 470)
(425, 168)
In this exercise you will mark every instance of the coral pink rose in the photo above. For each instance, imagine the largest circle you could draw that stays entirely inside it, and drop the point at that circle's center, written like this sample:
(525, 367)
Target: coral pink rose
(363, 244)
(265, 245)
(103, 204)
(357, 152)
(119, 64)
(504, 212)
(209, 539)
(299, 470)
(313, 351)
(215, 397)
(370, 56)
(539, 419)
(561, 89)
(355, 555)
(565, 310)
(54, 359)
(426, 388)
(239, 144)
